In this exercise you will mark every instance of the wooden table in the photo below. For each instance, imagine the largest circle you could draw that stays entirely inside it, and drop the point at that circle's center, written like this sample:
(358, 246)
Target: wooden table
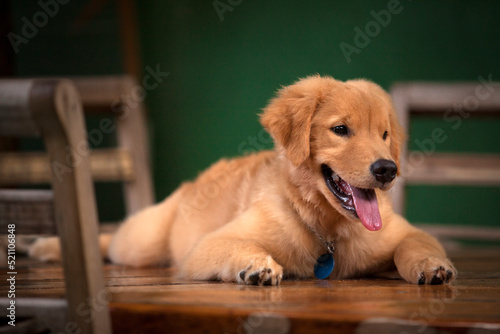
(153, 300)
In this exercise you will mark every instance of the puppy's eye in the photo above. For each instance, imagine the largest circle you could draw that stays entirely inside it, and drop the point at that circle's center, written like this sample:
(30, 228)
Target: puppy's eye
(341, 130)
(384, 137)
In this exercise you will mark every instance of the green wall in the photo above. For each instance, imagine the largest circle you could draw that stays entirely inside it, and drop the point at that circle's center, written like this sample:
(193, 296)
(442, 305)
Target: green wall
(72, 44)
(222, 73)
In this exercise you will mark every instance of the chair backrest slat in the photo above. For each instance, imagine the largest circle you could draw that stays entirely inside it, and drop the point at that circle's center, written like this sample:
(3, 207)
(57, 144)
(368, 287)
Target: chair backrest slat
(104, 94)
(457, 169)
(34, 208)
(106, 165)
(15, 116)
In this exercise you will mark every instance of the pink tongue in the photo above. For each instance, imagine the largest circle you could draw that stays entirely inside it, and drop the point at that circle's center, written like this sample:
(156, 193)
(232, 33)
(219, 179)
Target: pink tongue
(365, 202)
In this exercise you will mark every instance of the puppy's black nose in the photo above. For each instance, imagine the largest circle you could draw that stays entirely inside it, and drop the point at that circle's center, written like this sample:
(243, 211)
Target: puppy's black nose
(384, 170)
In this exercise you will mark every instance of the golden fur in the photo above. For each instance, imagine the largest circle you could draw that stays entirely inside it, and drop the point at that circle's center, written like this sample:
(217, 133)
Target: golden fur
(251, 219)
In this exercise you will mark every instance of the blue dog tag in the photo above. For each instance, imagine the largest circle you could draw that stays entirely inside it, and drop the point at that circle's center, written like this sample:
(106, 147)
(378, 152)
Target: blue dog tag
(324, 266)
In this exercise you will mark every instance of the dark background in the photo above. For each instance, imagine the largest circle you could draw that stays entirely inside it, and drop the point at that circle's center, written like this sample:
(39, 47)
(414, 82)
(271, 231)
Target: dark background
(223, 72)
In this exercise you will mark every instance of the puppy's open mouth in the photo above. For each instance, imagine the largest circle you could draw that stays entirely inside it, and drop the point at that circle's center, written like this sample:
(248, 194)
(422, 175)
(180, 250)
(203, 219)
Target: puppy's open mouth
(361, 203)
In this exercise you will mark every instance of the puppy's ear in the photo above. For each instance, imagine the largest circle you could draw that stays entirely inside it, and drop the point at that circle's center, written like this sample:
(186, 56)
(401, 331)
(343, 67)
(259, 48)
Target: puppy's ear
(288, 118)
(397, 136)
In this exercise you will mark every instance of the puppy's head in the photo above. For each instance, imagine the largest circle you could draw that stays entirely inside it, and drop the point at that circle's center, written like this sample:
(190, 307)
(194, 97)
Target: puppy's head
(346, 133)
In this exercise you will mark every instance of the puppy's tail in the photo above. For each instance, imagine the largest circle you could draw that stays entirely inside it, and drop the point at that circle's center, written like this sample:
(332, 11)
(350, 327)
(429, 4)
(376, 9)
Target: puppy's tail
(48, 249)
(104, 242)
(141, 240)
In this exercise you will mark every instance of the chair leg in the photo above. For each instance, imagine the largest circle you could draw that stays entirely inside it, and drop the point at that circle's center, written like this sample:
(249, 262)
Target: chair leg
(76, 213)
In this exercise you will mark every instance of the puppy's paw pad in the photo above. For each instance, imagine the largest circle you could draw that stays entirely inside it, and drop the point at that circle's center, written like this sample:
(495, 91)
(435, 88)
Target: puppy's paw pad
(421, 278)
(269, 273)
(435, 271)
(260, 276)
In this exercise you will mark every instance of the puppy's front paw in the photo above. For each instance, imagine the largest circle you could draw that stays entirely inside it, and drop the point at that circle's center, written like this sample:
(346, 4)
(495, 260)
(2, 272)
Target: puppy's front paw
(261, 272)
(433, 270)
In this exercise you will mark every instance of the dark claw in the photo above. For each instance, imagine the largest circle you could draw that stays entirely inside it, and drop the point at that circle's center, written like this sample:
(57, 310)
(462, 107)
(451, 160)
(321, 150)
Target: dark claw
(436, 280)
(421, 279)
(254, 278)
(242, 274)
(449, 274)
(269, 270)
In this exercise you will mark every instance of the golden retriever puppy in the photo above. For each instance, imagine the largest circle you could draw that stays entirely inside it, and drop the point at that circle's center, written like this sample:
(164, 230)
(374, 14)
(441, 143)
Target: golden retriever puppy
(315, 205)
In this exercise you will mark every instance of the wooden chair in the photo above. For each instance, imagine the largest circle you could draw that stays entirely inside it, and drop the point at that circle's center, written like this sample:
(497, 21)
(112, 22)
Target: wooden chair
(122, 112)
(446, 100)
(52, 109)
(115, 101)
